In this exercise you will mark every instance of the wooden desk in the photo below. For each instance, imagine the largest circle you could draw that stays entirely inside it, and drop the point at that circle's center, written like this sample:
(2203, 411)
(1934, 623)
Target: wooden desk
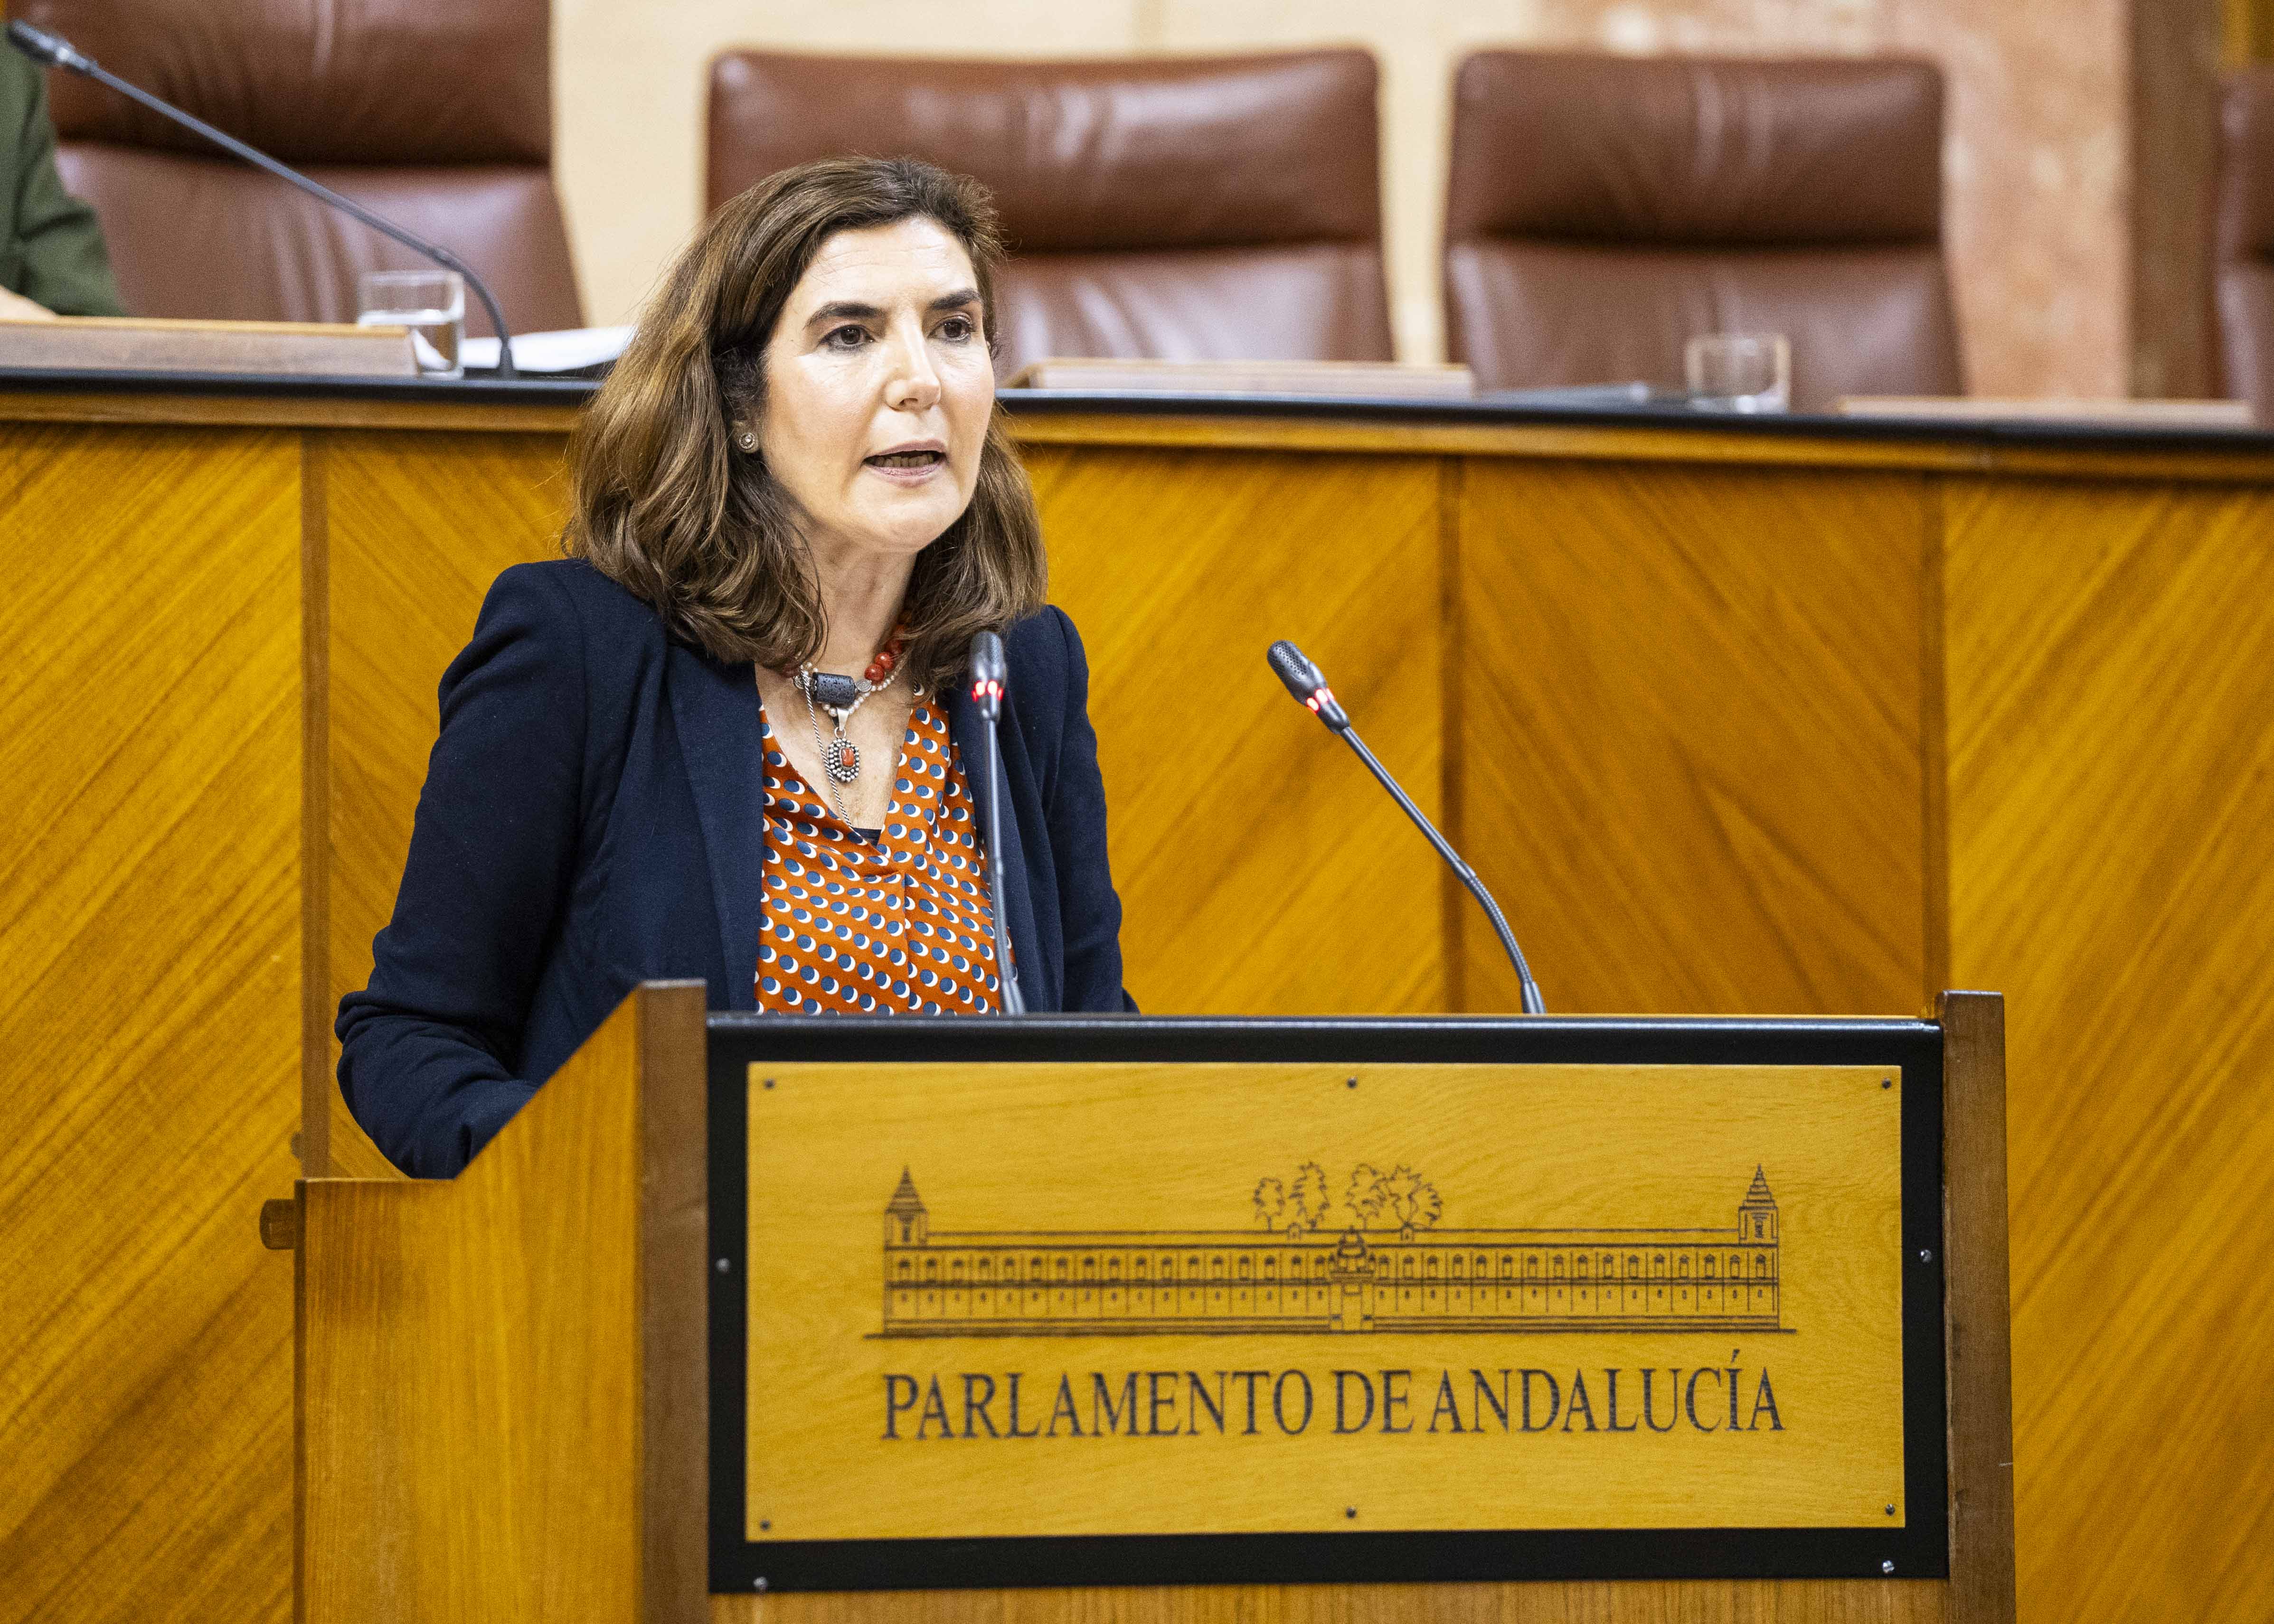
(1793, 718)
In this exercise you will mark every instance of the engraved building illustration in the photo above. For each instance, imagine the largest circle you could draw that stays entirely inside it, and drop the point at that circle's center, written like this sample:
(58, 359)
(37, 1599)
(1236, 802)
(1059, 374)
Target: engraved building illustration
(1044, 1282)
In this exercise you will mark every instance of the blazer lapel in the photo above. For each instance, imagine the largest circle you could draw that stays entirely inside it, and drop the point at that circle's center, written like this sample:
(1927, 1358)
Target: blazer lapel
(967, 732)
(715, 708)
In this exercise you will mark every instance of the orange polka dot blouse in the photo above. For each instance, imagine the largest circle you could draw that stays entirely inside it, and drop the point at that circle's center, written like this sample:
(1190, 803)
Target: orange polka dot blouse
(903, 925)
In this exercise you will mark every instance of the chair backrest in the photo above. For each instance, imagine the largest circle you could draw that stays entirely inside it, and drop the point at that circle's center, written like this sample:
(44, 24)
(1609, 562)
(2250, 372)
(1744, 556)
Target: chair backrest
(1185, 208)
(1602, 211)
(2243, 247)
(437, 116)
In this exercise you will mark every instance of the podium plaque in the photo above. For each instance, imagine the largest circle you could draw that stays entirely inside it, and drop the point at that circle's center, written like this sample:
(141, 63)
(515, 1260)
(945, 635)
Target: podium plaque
(1123, 1301)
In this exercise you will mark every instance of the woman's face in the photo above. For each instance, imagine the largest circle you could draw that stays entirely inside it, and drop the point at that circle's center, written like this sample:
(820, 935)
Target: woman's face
(878, 390)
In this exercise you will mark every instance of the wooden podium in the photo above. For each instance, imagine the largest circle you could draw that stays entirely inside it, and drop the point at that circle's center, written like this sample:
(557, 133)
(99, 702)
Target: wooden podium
(1178, 1319)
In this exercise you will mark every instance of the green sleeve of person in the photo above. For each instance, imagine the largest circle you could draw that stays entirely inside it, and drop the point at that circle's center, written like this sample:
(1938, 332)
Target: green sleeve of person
(51, 247)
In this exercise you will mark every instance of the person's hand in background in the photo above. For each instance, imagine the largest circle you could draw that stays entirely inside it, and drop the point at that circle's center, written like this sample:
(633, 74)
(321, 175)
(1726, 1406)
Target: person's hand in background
(16, 307)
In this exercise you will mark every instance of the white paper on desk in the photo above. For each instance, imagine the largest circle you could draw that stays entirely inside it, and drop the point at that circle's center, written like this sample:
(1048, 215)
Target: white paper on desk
(550, 352)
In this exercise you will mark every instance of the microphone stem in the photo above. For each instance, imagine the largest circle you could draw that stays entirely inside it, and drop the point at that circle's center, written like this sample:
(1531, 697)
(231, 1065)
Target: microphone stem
(1006, 976)
(262, 160)
(1532, 1003)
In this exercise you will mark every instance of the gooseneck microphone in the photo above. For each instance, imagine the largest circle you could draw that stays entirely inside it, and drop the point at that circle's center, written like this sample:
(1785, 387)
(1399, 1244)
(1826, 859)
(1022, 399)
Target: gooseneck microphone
(989, 674)
(58, 52)
(1306, 683)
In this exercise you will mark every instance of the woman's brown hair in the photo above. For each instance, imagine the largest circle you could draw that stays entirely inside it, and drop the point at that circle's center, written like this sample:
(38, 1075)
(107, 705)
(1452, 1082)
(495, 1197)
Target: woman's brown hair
(666, 508)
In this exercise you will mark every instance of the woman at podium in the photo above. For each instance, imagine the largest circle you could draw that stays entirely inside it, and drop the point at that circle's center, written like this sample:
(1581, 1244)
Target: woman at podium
(726, 737)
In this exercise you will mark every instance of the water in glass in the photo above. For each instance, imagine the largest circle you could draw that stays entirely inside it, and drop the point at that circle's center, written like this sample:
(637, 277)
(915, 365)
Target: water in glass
(432, 303)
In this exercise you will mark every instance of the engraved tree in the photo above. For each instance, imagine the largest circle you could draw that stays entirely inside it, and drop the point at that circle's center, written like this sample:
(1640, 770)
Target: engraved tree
(1427, 1207)
(1366, 1196)
(1271, 1201)
(1413, 1199)
(1309, 1197)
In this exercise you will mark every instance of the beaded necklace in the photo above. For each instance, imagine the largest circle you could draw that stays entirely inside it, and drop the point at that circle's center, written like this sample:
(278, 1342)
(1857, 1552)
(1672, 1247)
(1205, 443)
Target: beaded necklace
(841, 695)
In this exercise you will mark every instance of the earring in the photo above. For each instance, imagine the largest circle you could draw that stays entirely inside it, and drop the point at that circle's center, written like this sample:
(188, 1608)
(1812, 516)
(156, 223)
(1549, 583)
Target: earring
(749, 441)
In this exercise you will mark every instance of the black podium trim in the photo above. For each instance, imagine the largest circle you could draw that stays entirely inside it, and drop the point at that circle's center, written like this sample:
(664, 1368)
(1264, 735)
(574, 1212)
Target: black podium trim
(1918, 1550)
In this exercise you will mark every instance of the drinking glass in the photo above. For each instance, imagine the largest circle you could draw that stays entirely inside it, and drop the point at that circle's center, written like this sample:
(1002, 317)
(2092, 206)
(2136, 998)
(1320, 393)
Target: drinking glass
(432, 303)
(1739, 372)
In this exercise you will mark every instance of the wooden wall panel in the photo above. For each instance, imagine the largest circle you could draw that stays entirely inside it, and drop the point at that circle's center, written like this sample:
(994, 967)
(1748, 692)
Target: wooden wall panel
(1261, 870)
(150, 949)
(417, 526)
(2112, 826)
(1690, 736)
(1694, 673)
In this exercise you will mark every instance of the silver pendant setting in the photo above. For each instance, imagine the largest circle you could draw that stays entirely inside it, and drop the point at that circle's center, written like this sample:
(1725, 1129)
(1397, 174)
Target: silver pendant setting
(841, 697)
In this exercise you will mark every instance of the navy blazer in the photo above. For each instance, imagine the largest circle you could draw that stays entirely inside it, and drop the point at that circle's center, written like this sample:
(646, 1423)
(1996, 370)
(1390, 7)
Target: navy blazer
(593, 817)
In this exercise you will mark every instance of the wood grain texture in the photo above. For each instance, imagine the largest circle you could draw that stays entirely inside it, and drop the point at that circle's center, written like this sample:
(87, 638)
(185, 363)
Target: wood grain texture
(1799, 1601)
(1228, 803)
(271, 348)
(150, 944)
(2107, 690)
(1691, 737)
(675, 1302)
(1956, 449)
(476, 1437)
(1587, 1219)
(417, 526)
(272, 409)
(1976, 1314)
(319, 1083)
(2112, 823)
(1357, 435)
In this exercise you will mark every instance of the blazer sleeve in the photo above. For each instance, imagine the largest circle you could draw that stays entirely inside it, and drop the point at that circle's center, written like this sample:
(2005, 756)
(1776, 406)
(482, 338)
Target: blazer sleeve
(427, 1049)
(52, 237)
(1076, 814)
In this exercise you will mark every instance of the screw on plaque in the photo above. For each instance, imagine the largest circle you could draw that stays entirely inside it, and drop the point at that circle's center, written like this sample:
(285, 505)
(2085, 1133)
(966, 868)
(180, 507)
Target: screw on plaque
(1891, 1511)
(1925, 1255)
(767, 1527)
(1350, 1511)
(769, 1082)
(758, 1584)
(723, 1265)
(1887, 1082)
(1885, 1568)
(1353, 1083)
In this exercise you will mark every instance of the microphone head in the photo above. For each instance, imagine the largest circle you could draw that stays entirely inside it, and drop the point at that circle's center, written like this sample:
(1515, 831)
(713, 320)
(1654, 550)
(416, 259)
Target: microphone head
(1306, 682)
(989, 673)
(52, 50)
(1293, 668)
(987, 663)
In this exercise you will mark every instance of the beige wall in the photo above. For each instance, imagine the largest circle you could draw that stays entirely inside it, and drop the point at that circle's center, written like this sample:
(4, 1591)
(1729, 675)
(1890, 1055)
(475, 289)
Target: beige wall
(2037, 160)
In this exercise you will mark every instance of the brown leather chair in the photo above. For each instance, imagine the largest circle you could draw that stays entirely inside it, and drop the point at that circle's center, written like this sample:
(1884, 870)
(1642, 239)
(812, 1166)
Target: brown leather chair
(1183, 208)
(437, 116)
(1602, 211)
(2243, 248)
